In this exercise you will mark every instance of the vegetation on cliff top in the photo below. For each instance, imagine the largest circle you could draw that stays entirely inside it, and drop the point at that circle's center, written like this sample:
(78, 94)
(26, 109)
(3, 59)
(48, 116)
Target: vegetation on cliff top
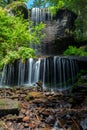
(73, 50)
(16, 32)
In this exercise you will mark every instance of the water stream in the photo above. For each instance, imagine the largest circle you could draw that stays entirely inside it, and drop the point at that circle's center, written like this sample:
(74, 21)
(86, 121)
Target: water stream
(58, 73)
(40, 15)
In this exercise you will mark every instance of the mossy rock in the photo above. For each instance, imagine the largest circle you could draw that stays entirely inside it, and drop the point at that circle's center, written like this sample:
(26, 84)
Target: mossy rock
(81, 85)
(8, 106)
(82, 81)
(29, 97)
(34, 95)
(18, 8)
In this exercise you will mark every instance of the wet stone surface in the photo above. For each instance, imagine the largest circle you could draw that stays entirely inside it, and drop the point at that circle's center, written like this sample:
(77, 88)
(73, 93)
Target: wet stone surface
(43, 110)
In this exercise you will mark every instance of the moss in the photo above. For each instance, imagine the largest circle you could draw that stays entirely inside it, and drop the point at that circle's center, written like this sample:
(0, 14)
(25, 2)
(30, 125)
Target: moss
(1, 125)
(19, 107)
(18, 8)
(2, 103)
(29, 97)
(82, 81)
(14, 88)
(15, 4)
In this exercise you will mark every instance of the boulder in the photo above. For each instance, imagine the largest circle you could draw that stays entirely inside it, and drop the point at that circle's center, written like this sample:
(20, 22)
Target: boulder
(8, 106)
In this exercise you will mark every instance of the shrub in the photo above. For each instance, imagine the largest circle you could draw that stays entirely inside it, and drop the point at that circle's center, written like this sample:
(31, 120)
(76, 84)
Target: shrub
(73, 50)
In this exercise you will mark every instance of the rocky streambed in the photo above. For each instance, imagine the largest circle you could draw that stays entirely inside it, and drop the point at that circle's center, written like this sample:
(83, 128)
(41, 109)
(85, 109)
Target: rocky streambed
(29, 109)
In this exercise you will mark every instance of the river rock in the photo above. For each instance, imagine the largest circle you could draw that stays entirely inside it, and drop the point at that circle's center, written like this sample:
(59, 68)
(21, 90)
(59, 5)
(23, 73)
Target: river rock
(26, 119)
(8, 106)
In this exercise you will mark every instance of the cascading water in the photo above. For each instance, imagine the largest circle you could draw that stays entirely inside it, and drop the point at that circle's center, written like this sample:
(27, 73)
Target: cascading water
(57, 73)
(21, 73)
(36, 71)
(40, 15)
(30, 69)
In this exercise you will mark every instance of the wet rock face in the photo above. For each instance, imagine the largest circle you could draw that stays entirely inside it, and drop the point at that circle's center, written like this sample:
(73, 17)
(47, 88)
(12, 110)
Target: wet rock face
(58, 30)
(60, 26)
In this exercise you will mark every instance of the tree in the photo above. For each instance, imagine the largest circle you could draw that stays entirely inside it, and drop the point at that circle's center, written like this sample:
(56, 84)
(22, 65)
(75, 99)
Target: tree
(39, 3)
(4, 3)
(16, 32)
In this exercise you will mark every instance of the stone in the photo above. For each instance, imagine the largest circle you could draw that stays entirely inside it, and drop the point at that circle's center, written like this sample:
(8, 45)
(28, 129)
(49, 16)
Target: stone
(9, 106)
(43, 113)
(25, 119)
(50, 119)
(69, 128)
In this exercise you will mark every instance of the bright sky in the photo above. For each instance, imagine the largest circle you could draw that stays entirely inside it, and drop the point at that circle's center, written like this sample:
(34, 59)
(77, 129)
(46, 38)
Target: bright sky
(29, 3)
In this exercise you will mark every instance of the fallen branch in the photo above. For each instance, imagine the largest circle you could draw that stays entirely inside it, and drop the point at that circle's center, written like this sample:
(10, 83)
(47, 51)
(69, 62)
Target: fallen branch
(76, 124)
(6, 127)
(37, 117)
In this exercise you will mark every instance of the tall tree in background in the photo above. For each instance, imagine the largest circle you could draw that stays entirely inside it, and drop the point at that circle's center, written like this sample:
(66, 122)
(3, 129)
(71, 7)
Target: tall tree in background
(38, 3)
(4, 3)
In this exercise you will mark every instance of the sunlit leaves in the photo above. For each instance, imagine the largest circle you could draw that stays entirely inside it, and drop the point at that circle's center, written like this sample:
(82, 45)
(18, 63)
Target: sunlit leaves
(23, 53)
(72, 50)
(4, 3)
(15, 32)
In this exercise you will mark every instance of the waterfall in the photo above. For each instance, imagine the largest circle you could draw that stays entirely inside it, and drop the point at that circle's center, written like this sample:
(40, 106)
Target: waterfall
(40, 15)
(57, 73)
(3, 76)
(21, 73)
(44, 70)
(36, 71)
(30, 69)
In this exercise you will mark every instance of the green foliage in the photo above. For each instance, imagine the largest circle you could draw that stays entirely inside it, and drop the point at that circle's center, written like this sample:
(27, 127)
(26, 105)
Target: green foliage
(10, 57)
(16, 34)
(38, 3)
(23, 53)
(29, 97)
(4, 3)
(81, 72)
(36, 33)
(72, 50)
(82, 79)
(13, 31)
(53, 10)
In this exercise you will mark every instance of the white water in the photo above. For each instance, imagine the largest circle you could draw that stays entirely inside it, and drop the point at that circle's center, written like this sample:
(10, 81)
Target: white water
(44, 70)
(56, 73)
(40, 15)
(30, 69)
(83, 123)
(36, 71)
(21, 73)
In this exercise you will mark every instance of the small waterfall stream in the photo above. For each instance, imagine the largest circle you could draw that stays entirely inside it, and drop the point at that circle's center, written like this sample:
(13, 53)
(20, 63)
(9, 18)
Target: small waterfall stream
(30, 69)
(56, 73)
(40, 15)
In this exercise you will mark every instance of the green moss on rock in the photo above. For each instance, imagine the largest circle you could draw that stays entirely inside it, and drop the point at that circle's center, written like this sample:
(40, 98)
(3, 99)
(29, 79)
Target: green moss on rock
(18, 8)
